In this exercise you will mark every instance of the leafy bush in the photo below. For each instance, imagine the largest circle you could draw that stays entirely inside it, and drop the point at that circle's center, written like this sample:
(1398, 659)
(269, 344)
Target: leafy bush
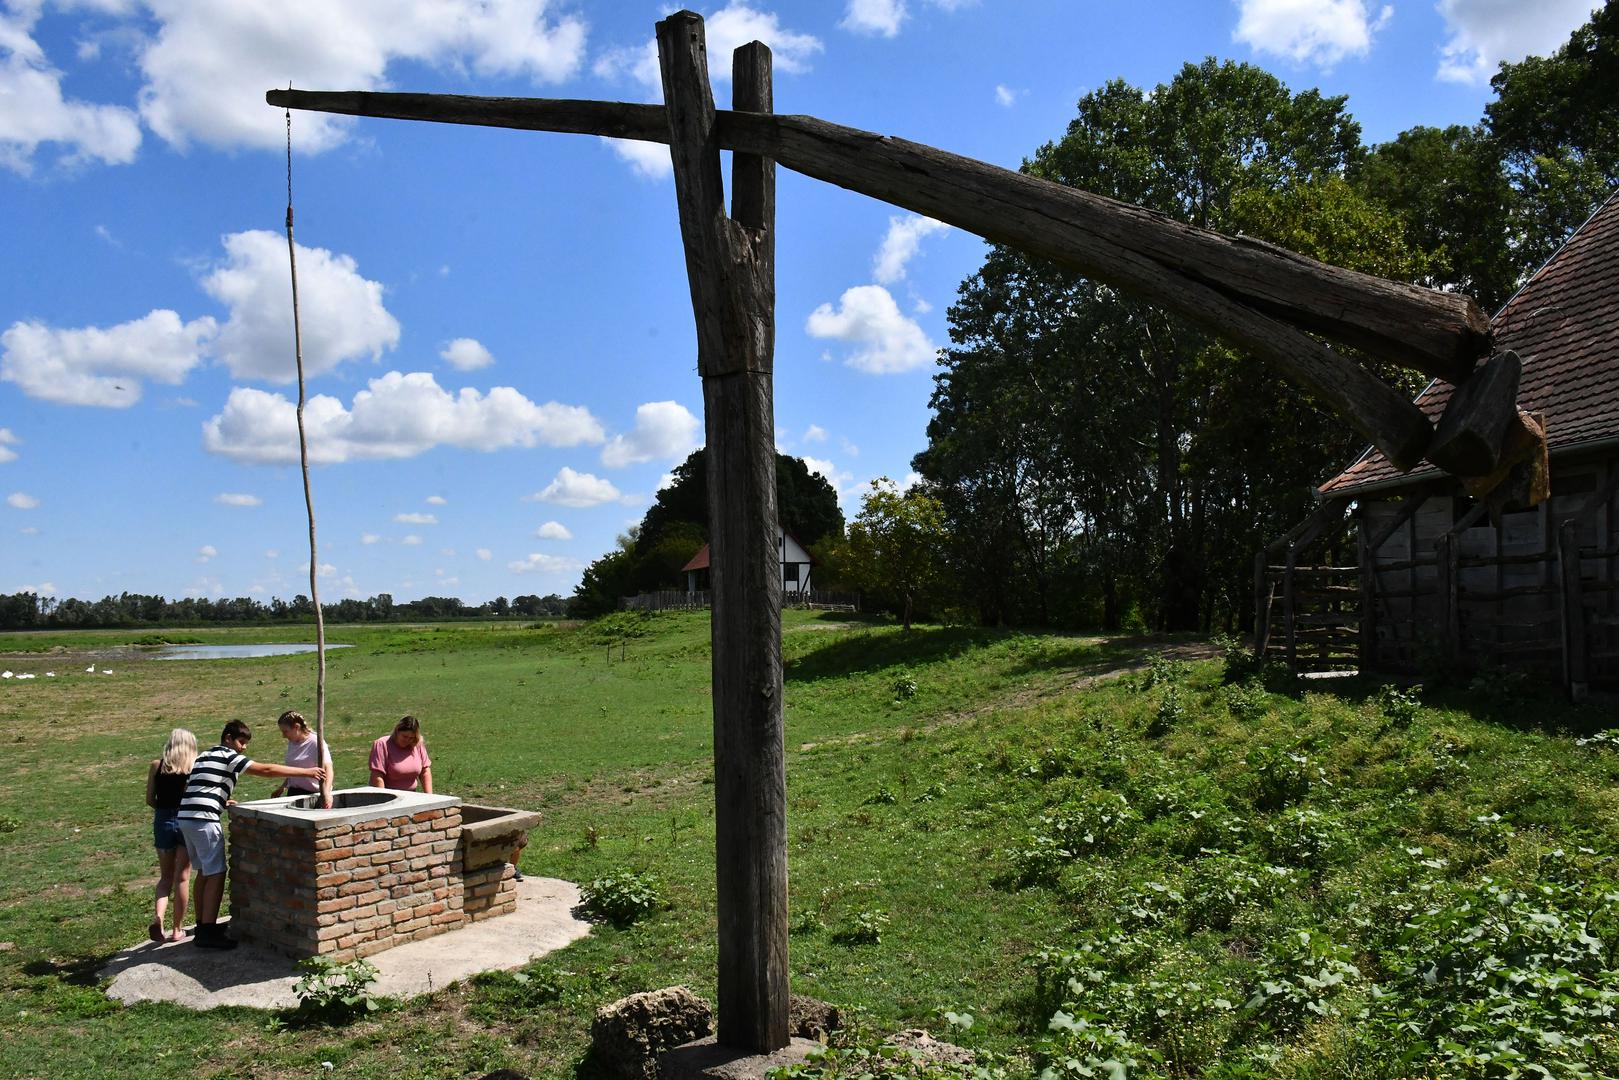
(1398, 706)
(1162, 671)
(1281, 777)
(1083, 1045)
(1248, 701)
(1302, 837)
(905, 688)
(1501, 981)
(1170, 713)
(333, 991)
(622, 899)
(1300, 980)
(864, 928)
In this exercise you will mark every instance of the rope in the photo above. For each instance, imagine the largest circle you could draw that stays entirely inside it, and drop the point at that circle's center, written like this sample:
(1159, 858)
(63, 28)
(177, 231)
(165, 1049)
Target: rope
(309, 499)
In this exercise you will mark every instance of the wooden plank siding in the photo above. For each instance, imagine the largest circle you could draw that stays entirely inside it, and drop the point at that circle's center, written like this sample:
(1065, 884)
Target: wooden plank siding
(1508, 584)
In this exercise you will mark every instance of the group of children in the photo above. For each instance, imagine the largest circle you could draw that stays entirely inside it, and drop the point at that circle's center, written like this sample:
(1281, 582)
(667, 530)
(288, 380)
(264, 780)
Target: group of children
(188, 792)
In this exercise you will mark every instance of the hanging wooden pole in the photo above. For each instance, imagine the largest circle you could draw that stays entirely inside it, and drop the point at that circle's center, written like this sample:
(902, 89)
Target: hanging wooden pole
(309, 499)
(730, 263)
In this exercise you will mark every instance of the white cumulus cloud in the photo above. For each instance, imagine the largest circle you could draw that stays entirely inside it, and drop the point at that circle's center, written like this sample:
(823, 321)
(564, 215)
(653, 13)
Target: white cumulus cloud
(466, 354)
(236, 499)
(553, 530)
(412, 541)
(208, 63)
(727, 29)
(877, 17)
(396, 416)
(484, 554)
(7, 441)
(36, 113)
(370, 538)
(341, 313)
(576, 489)
(1486, 33)
(1005, 96)
(539, 563)
(1320, 32)
(95, 366)
(663, 429)
(842, 480)
(815, 433)
(886, 341)
(436, 500)
(21, 500)
(904, 235)
(206, 552)
(416, 519)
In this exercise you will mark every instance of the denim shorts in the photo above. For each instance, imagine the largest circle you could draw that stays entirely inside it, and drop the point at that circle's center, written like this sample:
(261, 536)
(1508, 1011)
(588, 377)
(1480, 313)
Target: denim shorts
(166, 829)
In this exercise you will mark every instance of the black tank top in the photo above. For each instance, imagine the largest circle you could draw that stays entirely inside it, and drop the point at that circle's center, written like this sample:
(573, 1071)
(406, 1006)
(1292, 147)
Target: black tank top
(169, 788)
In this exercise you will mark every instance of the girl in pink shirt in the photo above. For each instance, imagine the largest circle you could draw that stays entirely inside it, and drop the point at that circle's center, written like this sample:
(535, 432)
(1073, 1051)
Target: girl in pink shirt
(400, 759)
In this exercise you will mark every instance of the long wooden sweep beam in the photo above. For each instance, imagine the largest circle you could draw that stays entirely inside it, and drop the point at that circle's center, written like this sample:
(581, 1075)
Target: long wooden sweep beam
(1257, 294)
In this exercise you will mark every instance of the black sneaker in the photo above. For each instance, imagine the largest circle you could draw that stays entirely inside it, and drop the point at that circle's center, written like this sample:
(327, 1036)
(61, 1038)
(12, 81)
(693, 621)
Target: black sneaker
(216, 941)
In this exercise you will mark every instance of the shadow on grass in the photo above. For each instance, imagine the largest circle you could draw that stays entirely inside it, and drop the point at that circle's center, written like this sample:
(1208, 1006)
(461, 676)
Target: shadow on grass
(882, 646)
(76, 971)
(877, 649)
(1532, 705)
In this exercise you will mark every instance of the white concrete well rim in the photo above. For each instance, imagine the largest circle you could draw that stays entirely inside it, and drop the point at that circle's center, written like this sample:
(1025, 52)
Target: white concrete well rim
(349, 805)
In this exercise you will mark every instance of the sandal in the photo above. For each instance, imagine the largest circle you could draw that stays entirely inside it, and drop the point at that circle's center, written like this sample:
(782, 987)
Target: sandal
(155, 931)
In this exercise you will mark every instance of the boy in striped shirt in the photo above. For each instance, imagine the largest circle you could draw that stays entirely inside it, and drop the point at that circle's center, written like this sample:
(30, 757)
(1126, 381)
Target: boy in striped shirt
(213, 778)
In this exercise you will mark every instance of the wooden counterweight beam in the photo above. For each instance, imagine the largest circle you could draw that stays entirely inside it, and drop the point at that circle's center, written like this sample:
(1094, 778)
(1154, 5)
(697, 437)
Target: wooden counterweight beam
(1246, 290)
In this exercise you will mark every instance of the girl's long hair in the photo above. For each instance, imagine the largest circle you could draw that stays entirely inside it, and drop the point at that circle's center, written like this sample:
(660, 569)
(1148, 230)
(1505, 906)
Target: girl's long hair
(180, 752)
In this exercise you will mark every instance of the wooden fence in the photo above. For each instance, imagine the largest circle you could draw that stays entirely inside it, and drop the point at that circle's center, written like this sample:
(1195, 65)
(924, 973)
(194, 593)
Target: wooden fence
(680, 600)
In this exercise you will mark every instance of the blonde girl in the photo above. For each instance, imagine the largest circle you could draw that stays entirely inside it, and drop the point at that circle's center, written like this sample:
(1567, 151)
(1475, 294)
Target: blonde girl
(165, 787)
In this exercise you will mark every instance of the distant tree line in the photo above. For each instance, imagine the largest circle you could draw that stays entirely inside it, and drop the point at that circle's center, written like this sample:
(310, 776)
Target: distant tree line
(28, 611)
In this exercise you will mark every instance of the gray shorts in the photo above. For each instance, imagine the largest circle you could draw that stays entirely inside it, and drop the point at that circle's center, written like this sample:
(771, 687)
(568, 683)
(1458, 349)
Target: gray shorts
(205, 843)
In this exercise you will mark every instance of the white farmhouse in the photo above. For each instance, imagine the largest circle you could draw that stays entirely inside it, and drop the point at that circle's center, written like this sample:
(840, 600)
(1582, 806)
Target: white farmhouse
(795, 559)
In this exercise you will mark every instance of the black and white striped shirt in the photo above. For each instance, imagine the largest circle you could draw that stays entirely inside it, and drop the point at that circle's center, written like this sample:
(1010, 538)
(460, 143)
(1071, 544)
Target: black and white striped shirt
(213, 778)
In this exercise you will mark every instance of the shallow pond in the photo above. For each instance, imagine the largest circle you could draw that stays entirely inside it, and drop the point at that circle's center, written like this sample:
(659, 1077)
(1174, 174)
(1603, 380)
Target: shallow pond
(234, 652)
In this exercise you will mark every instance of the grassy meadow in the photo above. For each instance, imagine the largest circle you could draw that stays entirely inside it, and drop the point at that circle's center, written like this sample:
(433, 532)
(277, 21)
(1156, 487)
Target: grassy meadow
(1183, 871)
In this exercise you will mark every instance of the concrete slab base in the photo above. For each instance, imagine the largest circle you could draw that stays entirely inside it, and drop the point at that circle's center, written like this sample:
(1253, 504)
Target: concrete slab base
(247, 975)
(705, 1059)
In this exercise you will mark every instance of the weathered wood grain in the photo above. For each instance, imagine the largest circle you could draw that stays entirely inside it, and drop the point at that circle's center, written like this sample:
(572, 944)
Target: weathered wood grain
(731, 269)
(1473, 430)
(1241, 288)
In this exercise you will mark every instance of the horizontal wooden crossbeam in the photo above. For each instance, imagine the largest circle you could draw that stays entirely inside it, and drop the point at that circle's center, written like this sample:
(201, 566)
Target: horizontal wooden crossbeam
(1257, 294)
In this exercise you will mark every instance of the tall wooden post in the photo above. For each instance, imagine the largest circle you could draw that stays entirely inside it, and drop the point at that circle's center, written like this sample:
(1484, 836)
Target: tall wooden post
(731, 266)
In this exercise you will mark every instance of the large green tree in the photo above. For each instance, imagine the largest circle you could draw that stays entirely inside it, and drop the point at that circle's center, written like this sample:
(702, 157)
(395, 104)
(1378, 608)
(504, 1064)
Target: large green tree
(1095, 454)
(1556, 121)
(675, 526)
(896, 548)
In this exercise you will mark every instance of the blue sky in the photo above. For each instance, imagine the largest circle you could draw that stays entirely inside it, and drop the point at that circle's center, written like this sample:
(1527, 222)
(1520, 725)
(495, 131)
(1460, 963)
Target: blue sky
(496, 323)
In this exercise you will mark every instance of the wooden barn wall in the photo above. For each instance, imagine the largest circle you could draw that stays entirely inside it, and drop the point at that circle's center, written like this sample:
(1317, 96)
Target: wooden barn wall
(1508, 581)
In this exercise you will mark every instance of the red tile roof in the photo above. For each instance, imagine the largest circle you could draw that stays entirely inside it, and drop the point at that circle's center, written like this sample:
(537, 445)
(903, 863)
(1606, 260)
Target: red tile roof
(1564, 325)
(699, 561)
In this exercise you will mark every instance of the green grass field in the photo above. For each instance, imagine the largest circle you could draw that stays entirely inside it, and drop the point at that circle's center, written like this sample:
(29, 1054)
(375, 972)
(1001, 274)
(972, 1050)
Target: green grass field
(1191, 878)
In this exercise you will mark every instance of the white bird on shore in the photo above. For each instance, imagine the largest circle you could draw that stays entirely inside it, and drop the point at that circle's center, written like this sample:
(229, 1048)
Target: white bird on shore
(26, 675)
(91, 670)
(50, 674)
(106, 671)
(5, 674)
